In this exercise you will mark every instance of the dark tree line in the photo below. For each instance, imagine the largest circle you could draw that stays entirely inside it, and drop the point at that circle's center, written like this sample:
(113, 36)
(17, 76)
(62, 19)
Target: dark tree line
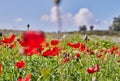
(116, 24)
(84, 28)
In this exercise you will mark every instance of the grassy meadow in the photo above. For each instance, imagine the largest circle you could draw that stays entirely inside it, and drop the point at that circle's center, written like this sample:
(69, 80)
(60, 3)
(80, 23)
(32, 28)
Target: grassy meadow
(72, 57)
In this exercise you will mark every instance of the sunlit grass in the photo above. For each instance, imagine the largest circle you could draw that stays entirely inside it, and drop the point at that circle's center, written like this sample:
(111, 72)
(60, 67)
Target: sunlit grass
(53, 69)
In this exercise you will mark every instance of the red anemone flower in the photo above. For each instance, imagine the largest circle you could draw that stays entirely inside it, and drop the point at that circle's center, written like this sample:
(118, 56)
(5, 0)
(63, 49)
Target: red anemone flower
(9, 40)
(13, 45)
(32, 40)
(47, 53)
(30, 51)
(27, 78)
(66, 60)
(118, 53)
(51, 52)
(102, 50)
(77, 45)
(90, 51)
(93, 69)
(69, 44)
(77, 55)
(20, 64)
(115, 48)
(55, 42)
(0, 69)
(99, 55)
(83, 47)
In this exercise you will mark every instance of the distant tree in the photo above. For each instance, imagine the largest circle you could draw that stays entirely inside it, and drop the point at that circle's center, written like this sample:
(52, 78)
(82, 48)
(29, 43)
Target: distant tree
(116, 24)
(110, 28)
(83, 28)
(91, 27)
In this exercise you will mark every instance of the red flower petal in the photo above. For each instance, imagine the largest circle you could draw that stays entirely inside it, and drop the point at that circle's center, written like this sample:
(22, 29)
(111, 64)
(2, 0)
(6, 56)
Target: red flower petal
(13, 45)
(55, 42)
(27, 78)
(51, 52)
(77, 55)
(90, 70)
(66, 60)
(93, 69)
(96, 68)
(9, 40)
(20, 64)
(21, 79)
(99, 55)
(1, 68)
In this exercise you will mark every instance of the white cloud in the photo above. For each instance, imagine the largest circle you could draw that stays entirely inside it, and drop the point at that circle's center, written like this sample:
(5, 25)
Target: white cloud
(45, 18)
(68, 15)
(85, 17)
(52, 17)
(19, 19)
(68, 19)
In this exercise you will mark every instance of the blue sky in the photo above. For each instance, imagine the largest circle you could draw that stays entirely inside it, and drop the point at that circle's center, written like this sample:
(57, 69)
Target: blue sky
(41, 15)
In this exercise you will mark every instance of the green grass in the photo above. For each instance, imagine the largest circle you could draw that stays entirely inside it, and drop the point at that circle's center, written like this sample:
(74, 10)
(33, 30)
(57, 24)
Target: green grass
(52, 68)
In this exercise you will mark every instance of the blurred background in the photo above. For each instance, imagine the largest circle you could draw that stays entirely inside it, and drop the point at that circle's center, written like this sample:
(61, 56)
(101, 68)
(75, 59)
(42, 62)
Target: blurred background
(64, 16)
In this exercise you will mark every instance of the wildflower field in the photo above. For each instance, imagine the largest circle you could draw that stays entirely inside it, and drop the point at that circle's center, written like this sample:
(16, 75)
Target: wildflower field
(33, 56)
